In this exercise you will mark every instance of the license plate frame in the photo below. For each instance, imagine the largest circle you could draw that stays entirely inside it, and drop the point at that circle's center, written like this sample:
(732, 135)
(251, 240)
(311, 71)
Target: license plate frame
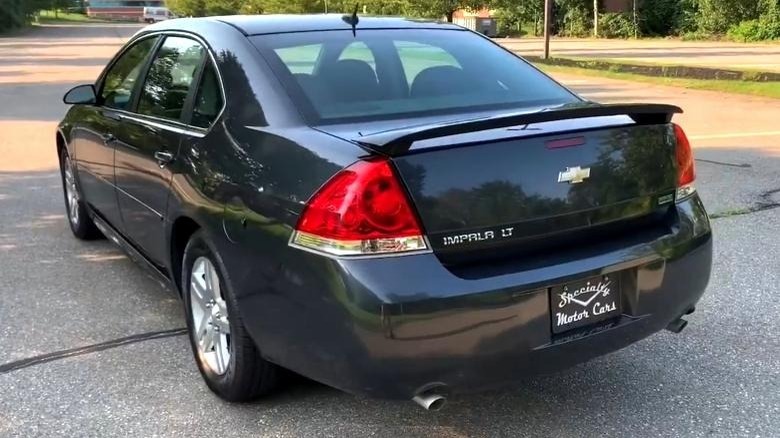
(585, 302)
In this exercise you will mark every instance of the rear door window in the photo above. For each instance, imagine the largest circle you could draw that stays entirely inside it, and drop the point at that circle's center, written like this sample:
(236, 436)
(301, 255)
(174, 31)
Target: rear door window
(208, 100)
(170, 77)
(119, 81)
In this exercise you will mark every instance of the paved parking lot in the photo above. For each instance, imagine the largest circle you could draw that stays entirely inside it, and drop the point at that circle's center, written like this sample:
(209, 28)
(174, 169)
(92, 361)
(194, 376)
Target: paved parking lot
(720, 377)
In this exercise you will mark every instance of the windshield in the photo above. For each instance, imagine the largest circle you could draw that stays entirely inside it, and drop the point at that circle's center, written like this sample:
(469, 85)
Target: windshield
(380, 74)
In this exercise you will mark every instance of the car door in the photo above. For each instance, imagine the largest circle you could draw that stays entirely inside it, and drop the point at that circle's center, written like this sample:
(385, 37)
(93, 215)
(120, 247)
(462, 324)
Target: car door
(94, 138)
(150, 141)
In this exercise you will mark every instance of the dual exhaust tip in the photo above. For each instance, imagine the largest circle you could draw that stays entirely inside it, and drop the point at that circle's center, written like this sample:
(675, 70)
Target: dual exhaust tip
(430, 402)
(432, 397)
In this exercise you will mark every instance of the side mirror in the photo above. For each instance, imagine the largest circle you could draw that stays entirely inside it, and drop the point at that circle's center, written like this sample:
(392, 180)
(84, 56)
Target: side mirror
(80, 94)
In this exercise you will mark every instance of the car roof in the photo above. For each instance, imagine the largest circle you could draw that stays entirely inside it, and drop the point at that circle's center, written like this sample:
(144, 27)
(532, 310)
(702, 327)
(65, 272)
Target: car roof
(267, 24)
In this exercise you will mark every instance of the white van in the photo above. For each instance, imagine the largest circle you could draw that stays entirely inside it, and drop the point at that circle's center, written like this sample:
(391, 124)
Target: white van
(153, 15)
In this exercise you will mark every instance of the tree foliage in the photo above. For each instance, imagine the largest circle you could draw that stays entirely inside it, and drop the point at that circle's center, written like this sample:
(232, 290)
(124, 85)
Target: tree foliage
(747, 20)
(17, 13)
(415, 8)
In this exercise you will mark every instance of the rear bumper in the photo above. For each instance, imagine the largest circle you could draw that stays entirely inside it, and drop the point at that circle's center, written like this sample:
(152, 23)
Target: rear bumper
(389, 327)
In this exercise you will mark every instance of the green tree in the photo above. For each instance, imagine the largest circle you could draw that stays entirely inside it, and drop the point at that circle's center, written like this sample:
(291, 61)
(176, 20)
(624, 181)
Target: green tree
(717, 16)
(186, 8)
(222, 7)
(444, 8)
(17, 13)
(512, 14)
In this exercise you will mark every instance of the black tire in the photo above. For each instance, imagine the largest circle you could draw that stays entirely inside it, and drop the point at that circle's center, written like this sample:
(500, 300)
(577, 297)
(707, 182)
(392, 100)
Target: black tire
(247, 376)
(81, 224)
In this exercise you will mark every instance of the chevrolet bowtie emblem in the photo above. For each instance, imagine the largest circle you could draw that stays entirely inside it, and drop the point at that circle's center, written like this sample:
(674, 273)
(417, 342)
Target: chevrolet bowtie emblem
(574, 175)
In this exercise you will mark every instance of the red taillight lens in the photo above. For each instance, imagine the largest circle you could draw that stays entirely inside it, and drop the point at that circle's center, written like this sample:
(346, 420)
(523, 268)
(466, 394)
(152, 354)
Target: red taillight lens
(362, 210)
(686, 170)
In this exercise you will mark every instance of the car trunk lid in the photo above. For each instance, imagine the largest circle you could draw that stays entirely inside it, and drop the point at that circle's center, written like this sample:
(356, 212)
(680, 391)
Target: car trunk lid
(500, 188)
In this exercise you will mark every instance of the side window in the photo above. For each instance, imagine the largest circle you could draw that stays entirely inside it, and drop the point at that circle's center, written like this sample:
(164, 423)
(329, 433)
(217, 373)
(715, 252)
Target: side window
(359, 51)
(170, 77)
(208, 101)
(121, 77)
(416, 57)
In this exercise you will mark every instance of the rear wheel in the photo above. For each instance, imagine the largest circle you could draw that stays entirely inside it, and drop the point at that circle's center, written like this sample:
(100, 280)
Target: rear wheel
(227, 357)
(80, 223)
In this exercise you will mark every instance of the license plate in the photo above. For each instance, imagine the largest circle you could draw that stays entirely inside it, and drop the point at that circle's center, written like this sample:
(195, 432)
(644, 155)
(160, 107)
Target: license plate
(584, 302)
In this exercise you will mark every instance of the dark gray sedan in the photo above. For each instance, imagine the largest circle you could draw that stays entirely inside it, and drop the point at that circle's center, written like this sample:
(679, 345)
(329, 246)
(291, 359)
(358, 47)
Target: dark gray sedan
(395, 208)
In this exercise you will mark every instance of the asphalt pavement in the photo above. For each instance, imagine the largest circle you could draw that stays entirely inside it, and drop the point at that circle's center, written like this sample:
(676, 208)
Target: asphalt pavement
(720, 377)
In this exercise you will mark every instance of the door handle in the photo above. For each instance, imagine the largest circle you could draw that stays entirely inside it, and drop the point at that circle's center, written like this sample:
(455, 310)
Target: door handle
(163, 158)
(108, 138)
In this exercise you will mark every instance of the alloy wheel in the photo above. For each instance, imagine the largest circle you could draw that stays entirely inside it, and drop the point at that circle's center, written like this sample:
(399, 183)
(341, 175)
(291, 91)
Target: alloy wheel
(71, 193)
(209, 316)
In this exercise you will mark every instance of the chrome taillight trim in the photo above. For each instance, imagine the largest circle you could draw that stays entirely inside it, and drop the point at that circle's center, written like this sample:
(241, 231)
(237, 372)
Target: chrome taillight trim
(684, 192)
(369, 248)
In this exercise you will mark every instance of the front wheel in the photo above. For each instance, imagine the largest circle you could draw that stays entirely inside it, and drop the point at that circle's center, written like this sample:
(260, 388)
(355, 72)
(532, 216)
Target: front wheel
(228, 359)
(80, 223)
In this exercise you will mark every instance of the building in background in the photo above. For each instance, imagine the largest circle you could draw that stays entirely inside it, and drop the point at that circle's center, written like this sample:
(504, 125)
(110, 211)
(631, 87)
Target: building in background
(121, 9)
(481, 20)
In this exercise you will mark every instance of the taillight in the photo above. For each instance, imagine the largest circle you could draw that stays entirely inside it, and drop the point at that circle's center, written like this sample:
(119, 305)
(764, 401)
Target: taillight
(362, 210)
(686, 169)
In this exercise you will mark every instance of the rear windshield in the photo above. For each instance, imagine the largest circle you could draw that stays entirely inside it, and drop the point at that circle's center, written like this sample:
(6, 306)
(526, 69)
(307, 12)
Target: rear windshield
(380, 74)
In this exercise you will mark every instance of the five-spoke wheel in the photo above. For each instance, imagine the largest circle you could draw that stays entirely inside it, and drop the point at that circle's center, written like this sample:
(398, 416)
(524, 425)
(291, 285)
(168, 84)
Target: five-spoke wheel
(78, 218)
(71, 192)
(227, 357)
(210, 316)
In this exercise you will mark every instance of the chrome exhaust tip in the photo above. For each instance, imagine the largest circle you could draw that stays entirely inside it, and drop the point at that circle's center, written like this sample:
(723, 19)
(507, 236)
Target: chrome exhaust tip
(430, 402)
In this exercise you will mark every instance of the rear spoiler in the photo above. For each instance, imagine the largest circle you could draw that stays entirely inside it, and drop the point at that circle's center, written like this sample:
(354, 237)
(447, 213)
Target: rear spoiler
(397, 141)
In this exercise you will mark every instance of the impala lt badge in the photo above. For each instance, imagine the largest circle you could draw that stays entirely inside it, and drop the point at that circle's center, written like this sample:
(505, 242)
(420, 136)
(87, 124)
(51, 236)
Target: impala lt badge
(574, 175)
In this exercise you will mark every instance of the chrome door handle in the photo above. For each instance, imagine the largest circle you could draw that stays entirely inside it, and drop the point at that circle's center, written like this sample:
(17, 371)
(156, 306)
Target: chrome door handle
(163, 157)
(108, 138)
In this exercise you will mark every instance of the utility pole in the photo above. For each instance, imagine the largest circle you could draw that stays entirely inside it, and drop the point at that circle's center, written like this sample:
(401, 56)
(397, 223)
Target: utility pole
(548, 5)
(596, 18)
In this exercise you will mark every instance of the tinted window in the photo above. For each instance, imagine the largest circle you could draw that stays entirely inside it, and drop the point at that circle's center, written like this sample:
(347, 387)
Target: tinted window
(379, 74)
(416, 57)
(170, 78)
(359, 52)
(300, 59)
(208, 101)
(121, 77)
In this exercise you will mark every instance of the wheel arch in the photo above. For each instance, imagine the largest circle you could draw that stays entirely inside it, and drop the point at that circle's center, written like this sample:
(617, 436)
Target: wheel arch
(61, 143)
(182, 228)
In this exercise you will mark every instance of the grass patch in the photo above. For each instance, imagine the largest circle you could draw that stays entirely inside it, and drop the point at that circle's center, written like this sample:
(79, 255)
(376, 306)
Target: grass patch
(765, 89)
(660, 70)
(49, 17)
